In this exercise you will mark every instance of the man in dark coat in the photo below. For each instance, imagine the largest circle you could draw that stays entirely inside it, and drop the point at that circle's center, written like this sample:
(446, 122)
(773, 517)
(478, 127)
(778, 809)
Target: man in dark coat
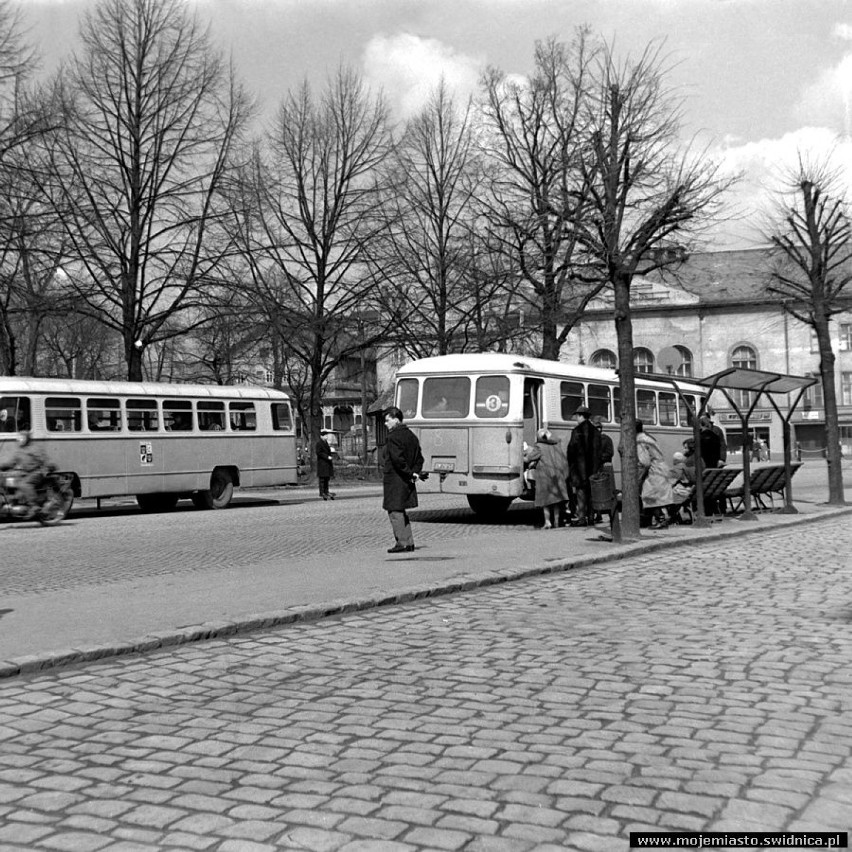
(403, 464)
(584, 459)
(325, 466)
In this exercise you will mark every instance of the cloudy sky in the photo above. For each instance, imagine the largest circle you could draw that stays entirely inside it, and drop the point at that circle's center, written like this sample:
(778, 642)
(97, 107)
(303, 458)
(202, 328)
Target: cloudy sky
(761, 79)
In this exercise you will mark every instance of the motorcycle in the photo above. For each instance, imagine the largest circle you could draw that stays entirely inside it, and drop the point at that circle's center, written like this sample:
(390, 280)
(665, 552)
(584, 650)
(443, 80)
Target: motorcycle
(54, 498)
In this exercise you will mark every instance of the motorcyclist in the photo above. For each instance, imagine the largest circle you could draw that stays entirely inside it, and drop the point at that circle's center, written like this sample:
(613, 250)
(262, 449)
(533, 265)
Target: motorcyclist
(31, 466)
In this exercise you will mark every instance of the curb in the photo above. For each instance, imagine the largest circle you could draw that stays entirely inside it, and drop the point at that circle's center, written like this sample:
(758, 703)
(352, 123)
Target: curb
(316, 612)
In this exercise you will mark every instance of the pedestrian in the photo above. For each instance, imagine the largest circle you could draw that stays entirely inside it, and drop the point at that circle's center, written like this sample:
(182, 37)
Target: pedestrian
(720, 434)
(607, 448)
(551, 477)
(654, 477)
(325, 465)
(682, 478)
(584, 460)
(402, 468)
(709, 444)
(607, 453)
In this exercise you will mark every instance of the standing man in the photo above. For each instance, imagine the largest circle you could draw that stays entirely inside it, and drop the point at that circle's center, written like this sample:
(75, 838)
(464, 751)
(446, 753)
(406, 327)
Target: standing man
(325, 466)
(403, 463)
(584, 459)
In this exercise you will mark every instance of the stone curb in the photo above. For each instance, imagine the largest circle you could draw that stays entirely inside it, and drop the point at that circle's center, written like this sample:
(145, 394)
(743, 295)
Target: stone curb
(315, 612)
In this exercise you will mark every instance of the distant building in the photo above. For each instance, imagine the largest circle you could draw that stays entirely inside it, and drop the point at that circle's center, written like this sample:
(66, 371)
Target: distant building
(718, 314)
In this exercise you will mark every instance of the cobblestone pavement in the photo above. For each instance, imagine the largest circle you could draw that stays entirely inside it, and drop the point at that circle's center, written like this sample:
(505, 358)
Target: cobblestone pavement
(121, 546)
(705, 687)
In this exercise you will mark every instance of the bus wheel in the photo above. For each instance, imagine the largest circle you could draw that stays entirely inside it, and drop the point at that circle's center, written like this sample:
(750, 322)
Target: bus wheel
(220, 493)
(487, 506)
(163, 502)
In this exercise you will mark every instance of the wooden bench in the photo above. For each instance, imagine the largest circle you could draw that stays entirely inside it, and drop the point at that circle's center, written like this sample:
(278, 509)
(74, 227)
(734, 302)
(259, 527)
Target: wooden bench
(763, 482)
(717, 481)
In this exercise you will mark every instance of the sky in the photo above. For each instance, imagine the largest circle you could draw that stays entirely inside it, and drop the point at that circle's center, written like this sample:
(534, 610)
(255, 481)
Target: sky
(761, 80)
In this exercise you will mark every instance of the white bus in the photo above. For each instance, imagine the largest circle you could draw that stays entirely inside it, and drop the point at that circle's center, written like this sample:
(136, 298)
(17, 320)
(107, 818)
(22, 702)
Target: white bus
(159, 442)
(473, 412)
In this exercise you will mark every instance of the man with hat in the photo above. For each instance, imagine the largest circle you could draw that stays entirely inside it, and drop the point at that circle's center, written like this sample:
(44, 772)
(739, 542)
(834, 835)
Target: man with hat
(325, 465)
(584, 459)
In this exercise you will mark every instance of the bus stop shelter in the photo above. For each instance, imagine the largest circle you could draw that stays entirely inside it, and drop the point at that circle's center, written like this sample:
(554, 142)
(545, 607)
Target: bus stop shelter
(760, 384)
(773, 387)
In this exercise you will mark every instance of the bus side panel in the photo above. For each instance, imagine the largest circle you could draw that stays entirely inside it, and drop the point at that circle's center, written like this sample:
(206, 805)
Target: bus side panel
(144, 455)
(497, 449)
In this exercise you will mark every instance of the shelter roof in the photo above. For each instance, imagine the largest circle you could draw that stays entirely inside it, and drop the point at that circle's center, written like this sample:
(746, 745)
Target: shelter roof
(739, 378)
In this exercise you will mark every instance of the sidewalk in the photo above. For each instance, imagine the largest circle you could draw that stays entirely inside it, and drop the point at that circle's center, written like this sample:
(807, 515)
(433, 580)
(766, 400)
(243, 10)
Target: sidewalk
(143, 614)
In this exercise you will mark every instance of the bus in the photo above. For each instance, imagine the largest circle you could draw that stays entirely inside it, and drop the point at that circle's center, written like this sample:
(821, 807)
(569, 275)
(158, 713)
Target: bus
(474, 412)
(158, 442)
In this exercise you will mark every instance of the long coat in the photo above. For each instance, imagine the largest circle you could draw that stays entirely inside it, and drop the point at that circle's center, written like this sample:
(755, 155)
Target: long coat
(325, 466)
(653, 473)
(584, 452)
(551, 473)
(403, 459)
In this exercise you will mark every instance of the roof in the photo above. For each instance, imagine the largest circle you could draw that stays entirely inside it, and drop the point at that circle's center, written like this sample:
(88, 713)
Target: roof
(23, 384)
(502, 362)
(726, 276)
(738, 378)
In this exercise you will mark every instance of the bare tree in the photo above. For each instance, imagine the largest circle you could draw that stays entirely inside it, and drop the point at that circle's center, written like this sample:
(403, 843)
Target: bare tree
(535, 137)
(645, 193)
(430, 260)
(26, 268)
(152, 115)
(810, 270)
(304, 218)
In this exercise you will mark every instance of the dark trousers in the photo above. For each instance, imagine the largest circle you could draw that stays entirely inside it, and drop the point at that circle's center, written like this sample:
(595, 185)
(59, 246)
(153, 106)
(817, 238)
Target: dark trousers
(323, 485)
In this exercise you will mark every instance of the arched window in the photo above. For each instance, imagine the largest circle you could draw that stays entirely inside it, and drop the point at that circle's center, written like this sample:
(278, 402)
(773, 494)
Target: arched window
(685, 368)
(744, 357)
(604, 358)
(643, 360)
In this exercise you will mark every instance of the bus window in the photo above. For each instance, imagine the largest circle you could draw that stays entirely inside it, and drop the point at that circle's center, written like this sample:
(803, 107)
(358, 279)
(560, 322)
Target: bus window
(243, 416)
(599, 401)
(492, 396)
(646, 407)
(406, 397)
(668, 409)
(685, 414)
(177, 415)
(142, 415)
(616, 404)
(572, 398)
(14, 413)
(446, 397)
(211, 415)
(103, 415)
(282, 419)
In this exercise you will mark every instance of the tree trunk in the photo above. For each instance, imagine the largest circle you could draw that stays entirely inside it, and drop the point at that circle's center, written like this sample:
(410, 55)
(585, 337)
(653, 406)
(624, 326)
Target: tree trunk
(832, 431)
(549, 340)
(133, 355)
(630, 492)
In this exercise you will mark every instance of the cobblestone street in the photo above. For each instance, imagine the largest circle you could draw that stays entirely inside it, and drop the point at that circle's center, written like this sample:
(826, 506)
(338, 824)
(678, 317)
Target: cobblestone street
(704, 687)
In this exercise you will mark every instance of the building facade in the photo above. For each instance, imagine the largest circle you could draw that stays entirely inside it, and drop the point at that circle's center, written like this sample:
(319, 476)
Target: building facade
(718, 314)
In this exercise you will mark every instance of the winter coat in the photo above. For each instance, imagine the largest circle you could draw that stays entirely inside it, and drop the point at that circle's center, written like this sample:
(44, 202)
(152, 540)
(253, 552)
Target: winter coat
(711, 448)
(607, 449)
(403, 459)
(551, 473)
(325, 463)
(584, 452)
(682, 478)
(654, 473)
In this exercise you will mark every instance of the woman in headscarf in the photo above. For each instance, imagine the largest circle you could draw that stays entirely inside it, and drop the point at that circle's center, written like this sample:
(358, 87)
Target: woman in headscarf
(654, 476)
(551, 477)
